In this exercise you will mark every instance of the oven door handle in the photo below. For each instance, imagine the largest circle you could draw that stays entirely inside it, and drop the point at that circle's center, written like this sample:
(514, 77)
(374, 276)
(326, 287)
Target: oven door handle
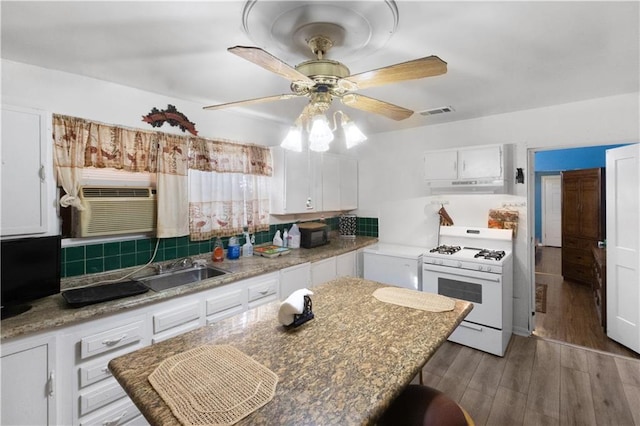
(469, 274)
(472, 327)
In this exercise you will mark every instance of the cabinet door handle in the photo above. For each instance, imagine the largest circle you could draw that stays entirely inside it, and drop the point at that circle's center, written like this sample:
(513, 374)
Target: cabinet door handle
(42, 173)
(51, 384)
(114, 341)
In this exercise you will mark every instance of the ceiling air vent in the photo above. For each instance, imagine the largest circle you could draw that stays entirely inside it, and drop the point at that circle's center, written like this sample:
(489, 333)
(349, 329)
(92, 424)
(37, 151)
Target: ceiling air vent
(435, 111)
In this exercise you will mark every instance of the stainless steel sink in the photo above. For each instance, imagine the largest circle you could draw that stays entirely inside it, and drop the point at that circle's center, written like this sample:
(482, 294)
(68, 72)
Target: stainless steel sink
(173, 279)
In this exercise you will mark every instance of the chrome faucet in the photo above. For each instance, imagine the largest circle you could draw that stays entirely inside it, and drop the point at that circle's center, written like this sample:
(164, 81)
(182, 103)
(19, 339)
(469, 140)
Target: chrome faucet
(178, 264)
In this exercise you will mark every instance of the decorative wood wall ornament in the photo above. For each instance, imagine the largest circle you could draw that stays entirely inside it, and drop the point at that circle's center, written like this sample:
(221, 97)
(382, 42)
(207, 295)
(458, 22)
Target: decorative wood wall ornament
(172, 116)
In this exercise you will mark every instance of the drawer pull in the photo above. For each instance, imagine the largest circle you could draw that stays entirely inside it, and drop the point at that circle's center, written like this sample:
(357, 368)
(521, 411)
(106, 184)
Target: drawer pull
(115, 422)
(106, 371)
(263, 292)
(112, 342)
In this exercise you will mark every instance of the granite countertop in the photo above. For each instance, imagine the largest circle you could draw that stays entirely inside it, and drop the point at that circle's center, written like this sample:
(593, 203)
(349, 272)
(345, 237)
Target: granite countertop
(343, 367)
(52, 312)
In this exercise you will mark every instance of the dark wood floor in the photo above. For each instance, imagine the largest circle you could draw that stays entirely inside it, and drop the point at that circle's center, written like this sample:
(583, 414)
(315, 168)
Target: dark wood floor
(571, 314)
(542, 379)
(538, 382)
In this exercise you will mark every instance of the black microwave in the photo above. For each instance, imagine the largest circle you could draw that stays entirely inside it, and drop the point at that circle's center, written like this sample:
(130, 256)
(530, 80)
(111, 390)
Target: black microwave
(313, 234)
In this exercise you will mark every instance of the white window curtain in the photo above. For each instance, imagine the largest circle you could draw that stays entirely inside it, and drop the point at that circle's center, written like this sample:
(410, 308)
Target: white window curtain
(172, 184)
(205, 188)
(229, 186)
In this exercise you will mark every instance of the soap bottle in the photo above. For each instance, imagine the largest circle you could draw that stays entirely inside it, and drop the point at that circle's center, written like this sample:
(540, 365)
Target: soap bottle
(247, 248)
(217, 255)
(294, 237)
(285, 238)
(277, 239)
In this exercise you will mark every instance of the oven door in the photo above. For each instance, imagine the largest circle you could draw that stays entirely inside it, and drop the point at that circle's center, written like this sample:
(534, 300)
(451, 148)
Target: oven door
(483, 289)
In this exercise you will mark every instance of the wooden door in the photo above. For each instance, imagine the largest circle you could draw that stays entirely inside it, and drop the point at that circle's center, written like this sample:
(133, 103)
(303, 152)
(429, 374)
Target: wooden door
(582, 222)
(623, 245)
(589, 206)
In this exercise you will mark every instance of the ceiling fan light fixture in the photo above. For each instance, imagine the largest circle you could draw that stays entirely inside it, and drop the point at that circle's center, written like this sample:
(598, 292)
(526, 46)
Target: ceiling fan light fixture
(293, 140)
(352, 133)
(320, 135)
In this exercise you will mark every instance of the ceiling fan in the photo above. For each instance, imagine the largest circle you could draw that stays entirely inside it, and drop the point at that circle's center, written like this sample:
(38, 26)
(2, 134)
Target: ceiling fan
(322, 80)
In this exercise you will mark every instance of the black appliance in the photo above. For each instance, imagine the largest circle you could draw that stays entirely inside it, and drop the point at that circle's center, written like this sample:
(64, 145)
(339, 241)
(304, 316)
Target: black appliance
(30, 271)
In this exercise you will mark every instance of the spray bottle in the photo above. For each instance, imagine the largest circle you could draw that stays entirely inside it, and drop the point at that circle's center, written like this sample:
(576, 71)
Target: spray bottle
(247, 248)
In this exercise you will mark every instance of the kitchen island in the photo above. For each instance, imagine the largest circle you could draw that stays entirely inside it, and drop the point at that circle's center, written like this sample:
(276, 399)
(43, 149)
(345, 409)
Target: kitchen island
(343, 367)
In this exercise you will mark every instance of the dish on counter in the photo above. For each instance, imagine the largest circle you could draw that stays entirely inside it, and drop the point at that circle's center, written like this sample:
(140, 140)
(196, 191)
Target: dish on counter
(270, 251)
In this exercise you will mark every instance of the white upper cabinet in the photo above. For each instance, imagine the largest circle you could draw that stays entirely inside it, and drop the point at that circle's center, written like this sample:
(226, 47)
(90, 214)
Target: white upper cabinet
(331, 182)
(441, 165)
(24, 172)
(348, 183)
(464, 163)
(306, 182)
(484, 162)
(481, 168)
(295, 183)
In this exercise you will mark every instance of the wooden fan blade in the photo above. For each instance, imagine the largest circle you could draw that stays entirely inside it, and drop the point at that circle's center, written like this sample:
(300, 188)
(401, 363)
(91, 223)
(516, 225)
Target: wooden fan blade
(376, 106)
(411, 70)
(269, 62)
(251, 101)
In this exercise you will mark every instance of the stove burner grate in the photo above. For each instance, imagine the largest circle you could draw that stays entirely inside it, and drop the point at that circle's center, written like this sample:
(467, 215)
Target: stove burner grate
(490, 254)
(444, 249)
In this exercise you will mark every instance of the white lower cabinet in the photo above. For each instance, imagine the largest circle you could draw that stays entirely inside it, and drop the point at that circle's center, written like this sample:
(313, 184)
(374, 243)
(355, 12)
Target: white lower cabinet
(87, 392)
(96, 395)
(263, 289)
(323, 271)
(223, 303)
(173, 319)
(294, 278)
(346, 265)
(28, 379)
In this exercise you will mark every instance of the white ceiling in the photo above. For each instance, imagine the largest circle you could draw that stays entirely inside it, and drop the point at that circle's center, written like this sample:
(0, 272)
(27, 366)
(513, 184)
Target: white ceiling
(502, 56)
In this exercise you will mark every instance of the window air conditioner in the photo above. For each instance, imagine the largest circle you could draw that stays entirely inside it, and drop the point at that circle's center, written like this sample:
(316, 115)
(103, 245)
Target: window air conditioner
(114, 211)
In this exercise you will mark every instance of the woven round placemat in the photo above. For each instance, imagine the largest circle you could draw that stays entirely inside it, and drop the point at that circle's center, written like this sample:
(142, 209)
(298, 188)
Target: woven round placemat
(213, 385)
(414, 299)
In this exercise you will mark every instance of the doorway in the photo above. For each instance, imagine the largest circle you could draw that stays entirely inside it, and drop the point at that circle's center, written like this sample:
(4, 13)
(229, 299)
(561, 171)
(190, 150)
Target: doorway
(565, 310)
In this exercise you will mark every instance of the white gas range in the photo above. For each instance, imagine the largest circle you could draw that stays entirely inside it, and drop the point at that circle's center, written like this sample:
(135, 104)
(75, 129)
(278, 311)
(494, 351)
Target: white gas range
(475, 264)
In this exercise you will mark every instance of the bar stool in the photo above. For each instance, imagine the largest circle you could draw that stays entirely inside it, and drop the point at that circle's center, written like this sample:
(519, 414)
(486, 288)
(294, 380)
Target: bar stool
(420, 405)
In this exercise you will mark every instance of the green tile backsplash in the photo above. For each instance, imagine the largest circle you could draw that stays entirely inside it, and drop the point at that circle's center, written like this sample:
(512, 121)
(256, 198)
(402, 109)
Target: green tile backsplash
(94, 258)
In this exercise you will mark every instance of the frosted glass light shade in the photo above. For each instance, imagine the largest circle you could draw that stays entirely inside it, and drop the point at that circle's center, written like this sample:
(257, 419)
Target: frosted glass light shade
(293, 140)
(352, 134)
(320, 135)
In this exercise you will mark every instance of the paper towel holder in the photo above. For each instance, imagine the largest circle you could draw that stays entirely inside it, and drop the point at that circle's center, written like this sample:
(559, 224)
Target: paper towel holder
(306, 315)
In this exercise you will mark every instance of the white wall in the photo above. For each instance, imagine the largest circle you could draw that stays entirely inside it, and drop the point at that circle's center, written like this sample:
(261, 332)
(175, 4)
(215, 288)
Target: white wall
(391, 165)
(70, 94)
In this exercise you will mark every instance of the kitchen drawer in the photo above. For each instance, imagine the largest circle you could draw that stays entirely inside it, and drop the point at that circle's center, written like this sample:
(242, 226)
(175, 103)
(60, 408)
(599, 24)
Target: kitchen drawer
(99, 397)
(175, 331)
(90, 374)
(577, 272)
(581, 257)
(111, 339)
(119, 413)
(480, 337)
(225, 301)
(165, 320)
(263, 289)
(578, 243)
